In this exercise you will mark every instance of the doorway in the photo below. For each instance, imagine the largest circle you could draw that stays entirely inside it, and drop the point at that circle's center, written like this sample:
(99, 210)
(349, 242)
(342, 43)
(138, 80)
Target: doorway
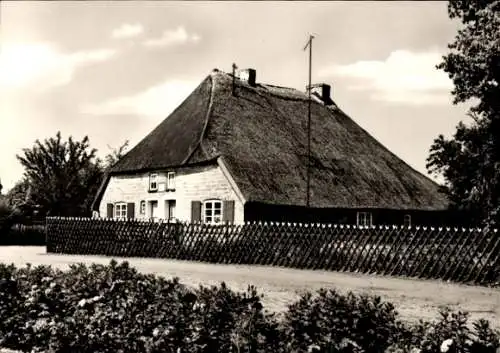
(153, 209)
(170, 210)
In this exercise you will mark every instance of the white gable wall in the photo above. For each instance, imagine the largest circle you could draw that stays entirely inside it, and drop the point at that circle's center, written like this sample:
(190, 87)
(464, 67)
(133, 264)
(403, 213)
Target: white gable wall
(191, 184)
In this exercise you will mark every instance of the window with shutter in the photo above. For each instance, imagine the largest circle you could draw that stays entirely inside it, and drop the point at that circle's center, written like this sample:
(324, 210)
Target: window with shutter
(121, 210)
(212, 211)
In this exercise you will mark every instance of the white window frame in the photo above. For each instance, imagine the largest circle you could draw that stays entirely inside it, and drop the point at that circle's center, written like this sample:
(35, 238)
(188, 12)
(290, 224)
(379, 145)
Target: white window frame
(170, 181)
(407, 221)
(212, 217)
(120, 211)
(364, 219)
(142, 207)
(153, 180)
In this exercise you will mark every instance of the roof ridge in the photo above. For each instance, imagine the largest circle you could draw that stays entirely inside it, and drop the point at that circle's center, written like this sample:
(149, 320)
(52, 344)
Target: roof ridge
(207, 117)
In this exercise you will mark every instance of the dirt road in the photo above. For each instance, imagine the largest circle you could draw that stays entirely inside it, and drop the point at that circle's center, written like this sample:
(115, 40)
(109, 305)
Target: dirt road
(413, 299)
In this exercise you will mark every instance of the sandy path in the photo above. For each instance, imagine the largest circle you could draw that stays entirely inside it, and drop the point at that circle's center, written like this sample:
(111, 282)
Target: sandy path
(413, 299)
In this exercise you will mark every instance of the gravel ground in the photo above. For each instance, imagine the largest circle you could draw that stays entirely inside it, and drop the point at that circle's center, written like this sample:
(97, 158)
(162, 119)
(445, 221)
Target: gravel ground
(414, 299)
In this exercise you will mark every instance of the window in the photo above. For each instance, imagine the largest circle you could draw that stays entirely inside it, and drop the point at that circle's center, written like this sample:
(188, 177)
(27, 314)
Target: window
(364, 219)
(170, 181)
(212, 211)
(407, 221)
(142, 207)
(121, 210)
(153, 182)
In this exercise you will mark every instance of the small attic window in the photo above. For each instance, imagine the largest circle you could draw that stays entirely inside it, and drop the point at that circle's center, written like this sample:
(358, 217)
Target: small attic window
(364, 219)
(171, 181)
(153, 182)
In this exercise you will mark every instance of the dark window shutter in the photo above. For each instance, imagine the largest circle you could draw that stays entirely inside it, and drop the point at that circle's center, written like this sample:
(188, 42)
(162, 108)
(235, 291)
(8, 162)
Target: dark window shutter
(110, 210)
(228, 211)
(130, 210)
(195, 211)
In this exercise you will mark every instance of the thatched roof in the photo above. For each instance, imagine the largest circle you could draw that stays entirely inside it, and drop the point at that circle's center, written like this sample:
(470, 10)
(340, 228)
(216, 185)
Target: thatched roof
(261, 133)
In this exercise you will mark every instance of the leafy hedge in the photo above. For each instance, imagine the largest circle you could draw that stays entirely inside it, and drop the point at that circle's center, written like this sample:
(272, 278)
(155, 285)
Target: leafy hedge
(22, 235)
(115, 308)
(18, 229)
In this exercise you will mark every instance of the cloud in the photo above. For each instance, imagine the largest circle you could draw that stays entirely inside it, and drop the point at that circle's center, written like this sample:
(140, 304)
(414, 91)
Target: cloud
(173, 37)
(127, 30)
(404, 77)
(155, 102)
(41, 65)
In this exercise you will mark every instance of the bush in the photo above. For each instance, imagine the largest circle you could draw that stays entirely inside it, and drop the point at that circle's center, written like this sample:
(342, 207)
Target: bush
(115, 308)
(333, 322)
(7, 214)
(21, 235)
(18, 229)
(450, 334)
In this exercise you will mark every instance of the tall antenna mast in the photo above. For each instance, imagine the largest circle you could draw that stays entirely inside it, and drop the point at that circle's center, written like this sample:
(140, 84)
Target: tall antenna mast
(308, 182)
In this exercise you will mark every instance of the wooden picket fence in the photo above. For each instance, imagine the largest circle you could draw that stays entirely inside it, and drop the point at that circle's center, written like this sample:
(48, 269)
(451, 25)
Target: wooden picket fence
(459, 255)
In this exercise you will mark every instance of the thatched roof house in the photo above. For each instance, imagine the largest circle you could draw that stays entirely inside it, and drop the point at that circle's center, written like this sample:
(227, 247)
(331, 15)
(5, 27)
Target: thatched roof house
(259, 132)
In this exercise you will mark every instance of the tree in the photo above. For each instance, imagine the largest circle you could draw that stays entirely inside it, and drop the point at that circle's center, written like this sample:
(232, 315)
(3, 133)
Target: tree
(19, 194)
(63, 176)
(470, 160)
(115, 155)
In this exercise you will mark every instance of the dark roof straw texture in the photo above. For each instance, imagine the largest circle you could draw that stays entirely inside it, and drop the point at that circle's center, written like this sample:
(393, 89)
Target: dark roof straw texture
(261, 134)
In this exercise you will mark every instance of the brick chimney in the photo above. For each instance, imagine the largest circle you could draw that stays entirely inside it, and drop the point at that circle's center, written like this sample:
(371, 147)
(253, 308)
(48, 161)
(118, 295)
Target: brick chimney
(248, 75)
(323, 92)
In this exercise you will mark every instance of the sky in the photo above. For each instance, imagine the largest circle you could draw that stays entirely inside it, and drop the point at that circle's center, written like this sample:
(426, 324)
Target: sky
(114, 70)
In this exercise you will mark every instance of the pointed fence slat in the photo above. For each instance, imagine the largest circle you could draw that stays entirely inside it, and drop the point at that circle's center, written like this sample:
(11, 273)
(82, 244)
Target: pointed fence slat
(377, 247)
(448, 257)
(460, 255)
(492, 258)
(407, 256)
(478, 259)
(367, 242)
(468, 243)
(427, 242)
(263, 253)
(337, 256)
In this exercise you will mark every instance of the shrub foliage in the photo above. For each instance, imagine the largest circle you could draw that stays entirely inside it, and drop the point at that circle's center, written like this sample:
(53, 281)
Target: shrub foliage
(115, 308)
